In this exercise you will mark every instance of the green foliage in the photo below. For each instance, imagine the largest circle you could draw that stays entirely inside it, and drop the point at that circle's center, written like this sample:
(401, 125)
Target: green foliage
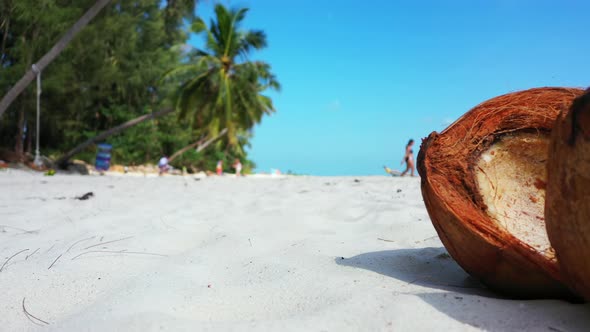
(111, 73)
(221, 88)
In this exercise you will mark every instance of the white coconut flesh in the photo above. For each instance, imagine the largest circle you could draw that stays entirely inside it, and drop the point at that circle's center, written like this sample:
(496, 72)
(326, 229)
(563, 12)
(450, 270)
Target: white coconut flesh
(511, 178)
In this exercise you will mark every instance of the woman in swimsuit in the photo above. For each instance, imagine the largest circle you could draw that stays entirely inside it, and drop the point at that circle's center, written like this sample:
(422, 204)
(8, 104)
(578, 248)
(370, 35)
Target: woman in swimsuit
(409, 158)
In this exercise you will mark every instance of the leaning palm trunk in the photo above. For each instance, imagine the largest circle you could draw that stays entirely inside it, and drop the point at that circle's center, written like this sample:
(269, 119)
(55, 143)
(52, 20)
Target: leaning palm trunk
(21, 85)
(63, 160)
(200, 145)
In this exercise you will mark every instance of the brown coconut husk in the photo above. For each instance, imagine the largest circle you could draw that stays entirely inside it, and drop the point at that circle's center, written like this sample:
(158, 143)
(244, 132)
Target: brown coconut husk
(568, 194)
(448, 166)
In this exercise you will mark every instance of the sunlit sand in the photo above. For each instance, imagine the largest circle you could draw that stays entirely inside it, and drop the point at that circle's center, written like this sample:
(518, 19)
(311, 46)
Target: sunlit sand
(226, 253)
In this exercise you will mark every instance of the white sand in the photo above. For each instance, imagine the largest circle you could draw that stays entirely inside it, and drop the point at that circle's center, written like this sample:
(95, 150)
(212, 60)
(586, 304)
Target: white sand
(291, 253)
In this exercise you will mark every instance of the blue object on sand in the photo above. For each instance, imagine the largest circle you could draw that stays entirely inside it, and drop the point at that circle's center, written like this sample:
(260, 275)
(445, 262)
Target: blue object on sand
(103, 157)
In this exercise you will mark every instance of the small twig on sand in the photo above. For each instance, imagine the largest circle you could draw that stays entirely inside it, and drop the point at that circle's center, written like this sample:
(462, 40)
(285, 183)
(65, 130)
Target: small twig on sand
(11, 257)
(31, 317)
(250, 242)
(73, 244)
(384, 240)
(18, 229)
(48, 250)
(32, 253)
(54, 261)
(70, 248)
(98, 244)
(432, 237)
(119, 252)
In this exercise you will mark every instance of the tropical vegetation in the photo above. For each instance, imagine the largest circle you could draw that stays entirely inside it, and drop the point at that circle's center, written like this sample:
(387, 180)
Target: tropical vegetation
(132, 60)
(222, 88)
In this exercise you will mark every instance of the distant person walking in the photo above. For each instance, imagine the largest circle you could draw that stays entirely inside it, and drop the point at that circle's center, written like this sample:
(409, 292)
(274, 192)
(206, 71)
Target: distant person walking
(238, 166)
(219, 168)
(409, 159)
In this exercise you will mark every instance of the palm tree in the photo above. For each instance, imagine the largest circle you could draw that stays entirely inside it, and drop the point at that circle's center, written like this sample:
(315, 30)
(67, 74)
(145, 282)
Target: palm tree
(224, 89)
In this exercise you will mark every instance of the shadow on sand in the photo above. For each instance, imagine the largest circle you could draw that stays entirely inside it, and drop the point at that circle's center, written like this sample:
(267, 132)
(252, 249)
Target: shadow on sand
(511, 315)
(428, 267)
(434, 268)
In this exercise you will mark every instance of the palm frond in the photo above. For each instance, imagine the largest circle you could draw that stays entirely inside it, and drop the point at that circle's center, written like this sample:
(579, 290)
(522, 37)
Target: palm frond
(253, 39)
(225, 90)
(239, 16)
(198, 26)
(190, 92)
(199, 53)
(179, 70)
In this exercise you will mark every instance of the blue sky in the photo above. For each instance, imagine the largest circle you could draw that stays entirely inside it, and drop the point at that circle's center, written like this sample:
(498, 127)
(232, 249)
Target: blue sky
(360, 78)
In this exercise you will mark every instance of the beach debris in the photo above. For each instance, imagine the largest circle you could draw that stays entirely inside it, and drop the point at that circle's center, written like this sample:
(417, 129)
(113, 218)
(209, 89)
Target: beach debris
(50, 172)
(11, 257)
(34, 252)
(124, 251)
(112, 241)
(79, 241)
(567, 208)
(357, 180)
(24, 231)
(399, 191)
(52, 246)
(85, 196)
(33, 319)
(482, 186)
(428, 238)
(43, 199)
(380, 239)
(58, 257)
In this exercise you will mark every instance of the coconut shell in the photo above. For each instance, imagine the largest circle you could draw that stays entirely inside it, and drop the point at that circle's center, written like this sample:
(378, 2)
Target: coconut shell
(447, 164)
(567, 208)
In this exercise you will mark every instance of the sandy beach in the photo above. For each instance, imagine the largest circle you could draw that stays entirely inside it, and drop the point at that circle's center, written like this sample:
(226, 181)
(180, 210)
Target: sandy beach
(294, 253)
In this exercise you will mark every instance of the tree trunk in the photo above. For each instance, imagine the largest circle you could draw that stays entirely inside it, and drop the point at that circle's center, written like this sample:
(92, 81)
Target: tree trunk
(29, 142)
(5, 35)
(63, 160)
(22, 112)
(18, 88)
(200, 145)
(185, 149)
(18, 146)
